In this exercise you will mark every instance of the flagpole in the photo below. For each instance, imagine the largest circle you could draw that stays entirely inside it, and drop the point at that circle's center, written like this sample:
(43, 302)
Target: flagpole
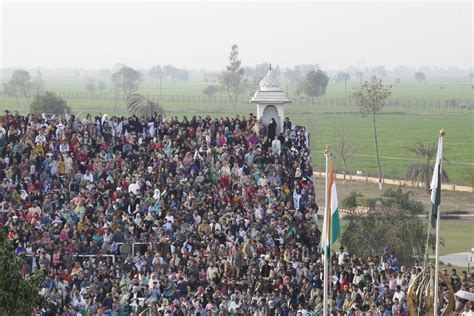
(436, 292)
(438, 215)
(326, 240)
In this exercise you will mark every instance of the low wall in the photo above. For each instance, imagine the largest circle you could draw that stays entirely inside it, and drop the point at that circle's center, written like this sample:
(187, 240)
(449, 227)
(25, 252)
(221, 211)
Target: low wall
(447, 187)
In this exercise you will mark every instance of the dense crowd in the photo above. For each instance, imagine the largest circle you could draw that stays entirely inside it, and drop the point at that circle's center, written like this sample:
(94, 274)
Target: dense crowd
(178, 217)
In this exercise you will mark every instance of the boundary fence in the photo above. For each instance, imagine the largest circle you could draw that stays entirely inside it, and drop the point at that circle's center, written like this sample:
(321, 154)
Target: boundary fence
(339, 102)
(367, 179)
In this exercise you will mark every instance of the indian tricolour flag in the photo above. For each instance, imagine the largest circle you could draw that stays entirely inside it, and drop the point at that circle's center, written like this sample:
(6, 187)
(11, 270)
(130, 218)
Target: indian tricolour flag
(331, 225)
(436, 182)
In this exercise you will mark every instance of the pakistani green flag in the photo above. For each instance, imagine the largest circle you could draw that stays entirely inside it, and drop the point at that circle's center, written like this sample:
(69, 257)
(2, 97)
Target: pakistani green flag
(436, 182)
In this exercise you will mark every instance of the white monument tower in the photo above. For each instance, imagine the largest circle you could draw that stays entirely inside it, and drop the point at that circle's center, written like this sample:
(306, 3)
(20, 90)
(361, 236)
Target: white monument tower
(271, 100)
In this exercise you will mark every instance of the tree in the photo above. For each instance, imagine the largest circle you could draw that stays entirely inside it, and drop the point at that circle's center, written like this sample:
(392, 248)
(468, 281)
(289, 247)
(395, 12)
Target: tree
(156, 73)
(404, 201)
(90, 86)
(141, 106)
(372, 98)
(38, 84)
(420, 76)
(394, 230)
(343, 77)
(169, 72)
(182, 74)
(381, 72)
(18, 295)
(299, 72)
(360, 75)
(101, 86)
(127, 79)
(50, 103)
(293, 74)
(21, 84)
(210, 91)
(231, 78)
(345, 148)
(470, 76)
(315, 84)
(423, 171)
(260, 70)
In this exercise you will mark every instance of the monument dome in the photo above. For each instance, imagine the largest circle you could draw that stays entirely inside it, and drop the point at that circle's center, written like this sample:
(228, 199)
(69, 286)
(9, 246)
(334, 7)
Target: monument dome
(270, 100)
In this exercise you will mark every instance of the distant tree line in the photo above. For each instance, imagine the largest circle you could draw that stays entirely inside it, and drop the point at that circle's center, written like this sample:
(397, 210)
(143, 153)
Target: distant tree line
(168, 72)
(22, 85)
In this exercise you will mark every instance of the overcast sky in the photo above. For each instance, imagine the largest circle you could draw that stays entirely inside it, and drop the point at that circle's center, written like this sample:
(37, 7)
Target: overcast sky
(200, 34)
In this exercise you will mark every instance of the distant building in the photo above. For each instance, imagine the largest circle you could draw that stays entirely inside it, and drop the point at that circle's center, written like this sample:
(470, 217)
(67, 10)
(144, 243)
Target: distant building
(270, 100)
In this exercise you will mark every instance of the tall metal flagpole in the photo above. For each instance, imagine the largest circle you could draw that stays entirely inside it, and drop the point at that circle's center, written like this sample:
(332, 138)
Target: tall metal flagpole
(436, 285)
(325, 239)
(438, 215)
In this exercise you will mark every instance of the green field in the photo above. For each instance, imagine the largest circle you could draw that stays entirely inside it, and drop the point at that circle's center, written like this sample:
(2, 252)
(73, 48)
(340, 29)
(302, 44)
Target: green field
(399, 128)
(408, 89)
(458, 236)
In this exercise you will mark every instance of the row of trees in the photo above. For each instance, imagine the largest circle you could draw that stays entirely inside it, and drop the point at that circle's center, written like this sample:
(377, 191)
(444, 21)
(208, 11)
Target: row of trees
(23, 85)
(236, 79)
(168, 72)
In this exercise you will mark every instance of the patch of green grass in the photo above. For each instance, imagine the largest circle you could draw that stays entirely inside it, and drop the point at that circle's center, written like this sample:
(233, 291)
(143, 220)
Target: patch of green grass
(408, 89)
(458, 236)
(397, 133)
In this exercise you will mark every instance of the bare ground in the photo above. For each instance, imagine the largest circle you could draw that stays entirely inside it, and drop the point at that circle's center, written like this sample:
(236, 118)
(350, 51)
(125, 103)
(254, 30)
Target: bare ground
(450, 200)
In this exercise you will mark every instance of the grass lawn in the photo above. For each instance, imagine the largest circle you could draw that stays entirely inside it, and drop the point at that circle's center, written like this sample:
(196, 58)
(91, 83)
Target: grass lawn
(407, 89)
(458, 236)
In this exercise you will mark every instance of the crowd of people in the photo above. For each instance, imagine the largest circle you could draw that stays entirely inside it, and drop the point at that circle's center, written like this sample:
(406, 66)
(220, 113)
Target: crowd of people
(129, 215)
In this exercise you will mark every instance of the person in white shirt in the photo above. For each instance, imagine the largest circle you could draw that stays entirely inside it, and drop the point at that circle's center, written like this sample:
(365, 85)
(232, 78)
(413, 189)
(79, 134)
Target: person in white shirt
(296, 199)
(399, 294)
(276, 146)
(40, 138)
(88, 177)
(263, 181)
(78, 300)
(63, 147)
(341, 256)
(258, 213)
(68, 165)
(134, 187)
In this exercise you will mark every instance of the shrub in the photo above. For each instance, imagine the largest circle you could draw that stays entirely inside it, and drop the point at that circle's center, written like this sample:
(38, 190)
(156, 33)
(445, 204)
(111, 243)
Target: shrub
(50, 103)
(401, 232)
(375, 201)
(350, 201)
(414, 206)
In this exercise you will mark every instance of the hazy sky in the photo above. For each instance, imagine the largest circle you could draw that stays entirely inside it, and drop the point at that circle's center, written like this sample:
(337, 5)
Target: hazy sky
(200, 34)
